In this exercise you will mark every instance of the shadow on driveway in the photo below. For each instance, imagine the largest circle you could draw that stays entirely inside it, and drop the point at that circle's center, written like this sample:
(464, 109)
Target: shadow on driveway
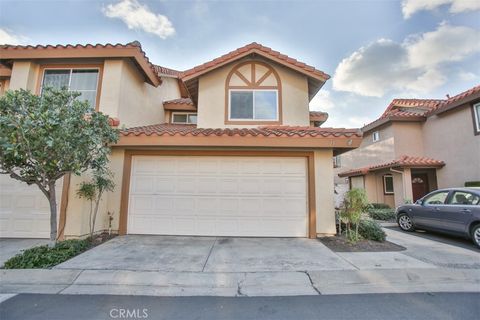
(440, 237)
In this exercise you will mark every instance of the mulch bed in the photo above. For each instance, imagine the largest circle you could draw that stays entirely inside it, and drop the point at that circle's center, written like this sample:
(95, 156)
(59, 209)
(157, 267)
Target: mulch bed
(101, 238)
(341, 244)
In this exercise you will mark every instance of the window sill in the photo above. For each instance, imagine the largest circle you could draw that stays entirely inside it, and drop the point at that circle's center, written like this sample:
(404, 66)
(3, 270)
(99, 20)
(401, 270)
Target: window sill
(240, 122)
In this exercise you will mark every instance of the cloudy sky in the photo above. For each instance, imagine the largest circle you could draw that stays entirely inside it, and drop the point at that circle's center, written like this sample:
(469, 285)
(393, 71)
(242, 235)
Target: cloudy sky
(374, 50)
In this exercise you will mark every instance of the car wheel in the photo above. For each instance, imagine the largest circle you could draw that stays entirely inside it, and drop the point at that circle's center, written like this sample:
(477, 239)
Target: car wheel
(476, 235)
(405, 223)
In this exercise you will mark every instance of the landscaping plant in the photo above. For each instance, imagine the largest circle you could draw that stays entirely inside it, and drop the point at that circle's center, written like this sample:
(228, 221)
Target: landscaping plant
(43, 138)
(93, 190)
(371, 230)
(354, 204)
(46, 256)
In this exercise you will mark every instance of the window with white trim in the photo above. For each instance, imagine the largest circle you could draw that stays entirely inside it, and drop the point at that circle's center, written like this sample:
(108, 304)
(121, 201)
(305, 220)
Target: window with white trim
(476, 113)
(376, 136)
(253, 105)
(84, 81)
(184, 118)
(388, 184)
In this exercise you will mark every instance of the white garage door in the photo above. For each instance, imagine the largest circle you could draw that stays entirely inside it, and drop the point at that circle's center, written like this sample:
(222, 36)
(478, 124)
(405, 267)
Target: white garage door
(218, 196)
(24, 210)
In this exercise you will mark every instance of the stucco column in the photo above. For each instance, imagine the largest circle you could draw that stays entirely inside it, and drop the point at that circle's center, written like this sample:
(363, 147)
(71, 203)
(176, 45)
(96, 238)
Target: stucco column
(324, 192)
(407, 184)
(24, 76)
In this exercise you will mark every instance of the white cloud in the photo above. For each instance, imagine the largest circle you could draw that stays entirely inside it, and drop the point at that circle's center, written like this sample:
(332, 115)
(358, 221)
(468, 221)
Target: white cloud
(415, 64)
(409, 7)
(140, 17)
(447, 43)
(322, 101)
(8, 37)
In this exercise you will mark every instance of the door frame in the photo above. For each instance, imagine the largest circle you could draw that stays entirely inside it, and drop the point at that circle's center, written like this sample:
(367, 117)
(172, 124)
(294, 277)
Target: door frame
(127, 171)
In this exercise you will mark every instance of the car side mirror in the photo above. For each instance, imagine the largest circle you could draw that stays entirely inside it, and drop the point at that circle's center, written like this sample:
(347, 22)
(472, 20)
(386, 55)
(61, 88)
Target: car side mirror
(419, 202)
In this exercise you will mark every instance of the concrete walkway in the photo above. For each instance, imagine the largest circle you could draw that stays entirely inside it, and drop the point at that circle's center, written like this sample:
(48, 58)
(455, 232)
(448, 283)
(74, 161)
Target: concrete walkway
(426, 266)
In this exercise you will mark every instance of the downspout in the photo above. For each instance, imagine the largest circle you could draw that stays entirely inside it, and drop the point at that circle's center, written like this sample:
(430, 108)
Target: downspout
(403, 181)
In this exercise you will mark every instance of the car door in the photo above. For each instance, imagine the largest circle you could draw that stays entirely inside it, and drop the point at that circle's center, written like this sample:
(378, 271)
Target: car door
(458, 211)
(427, 214)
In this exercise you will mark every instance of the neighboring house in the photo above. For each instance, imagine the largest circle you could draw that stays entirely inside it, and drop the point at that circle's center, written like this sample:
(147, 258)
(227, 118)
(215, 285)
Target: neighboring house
(228, 148)
(415, 147)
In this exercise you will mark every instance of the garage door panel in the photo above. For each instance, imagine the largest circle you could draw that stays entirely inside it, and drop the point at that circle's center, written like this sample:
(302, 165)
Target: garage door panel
(219, 196)
(24, 210)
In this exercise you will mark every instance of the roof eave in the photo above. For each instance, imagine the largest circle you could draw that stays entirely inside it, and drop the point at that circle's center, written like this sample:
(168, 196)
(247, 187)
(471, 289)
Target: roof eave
(449, 106)
(247, 53)
(72, 52)
(179, 140)
(382, 121)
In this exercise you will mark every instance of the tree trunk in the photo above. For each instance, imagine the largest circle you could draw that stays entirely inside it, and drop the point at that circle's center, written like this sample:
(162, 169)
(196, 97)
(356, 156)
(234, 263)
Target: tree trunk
(53, 214)
(97, 203)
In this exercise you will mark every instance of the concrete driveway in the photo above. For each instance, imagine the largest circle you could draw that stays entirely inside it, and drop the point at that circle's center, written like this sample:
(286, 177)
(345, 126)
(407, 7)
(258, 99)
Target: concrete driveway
(10, 247)
(208, 254)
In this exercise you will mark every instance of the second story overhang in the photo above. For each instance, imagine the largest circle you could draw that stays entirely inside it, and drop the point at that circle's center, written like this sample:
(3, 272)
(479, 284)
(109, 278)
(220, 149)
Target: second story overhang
(133, 51)
(163, 135)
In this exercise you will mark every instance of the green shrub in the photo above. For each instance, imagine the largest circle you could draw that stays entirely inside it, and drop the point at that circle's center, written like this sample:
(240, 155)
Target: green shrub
(371, 230)
(472, 184)
(379, 206)
(46, 257)
(382, 214)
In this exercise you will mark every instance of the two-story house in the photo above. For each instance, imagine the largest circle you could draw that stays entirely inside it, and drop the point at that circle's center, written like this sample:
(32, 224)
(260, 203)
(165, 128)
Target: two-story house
(415, 147)
(227, 148)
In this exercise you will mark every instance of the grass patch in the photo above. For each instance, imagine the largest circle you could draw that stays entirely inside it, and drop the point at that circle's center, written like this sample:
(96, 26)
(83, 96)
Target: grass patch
(46, 257)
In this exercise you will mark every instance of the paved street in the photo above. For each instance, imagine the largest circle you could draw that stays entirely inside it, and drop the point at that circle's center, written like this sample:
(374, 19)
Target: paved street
(369, 306)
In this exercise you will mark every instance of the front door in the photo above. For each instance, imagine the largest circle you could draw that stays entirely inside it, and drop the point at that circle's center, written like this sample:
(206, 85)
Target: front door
(419, 185)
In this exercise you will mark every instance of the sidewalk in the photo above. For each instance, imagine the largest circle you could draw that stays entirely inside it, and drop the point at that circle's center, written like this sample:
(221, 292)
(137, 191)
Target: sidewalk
(426, 266)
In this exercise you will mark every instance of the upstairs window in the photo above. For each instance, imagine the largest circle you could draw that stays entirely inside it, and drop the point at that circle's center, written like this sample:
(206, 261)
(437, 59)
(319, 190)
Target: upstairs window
(376, 136)
(184, 118)
(84, 81)
(337, 162)
(254, 105)
(253, 94)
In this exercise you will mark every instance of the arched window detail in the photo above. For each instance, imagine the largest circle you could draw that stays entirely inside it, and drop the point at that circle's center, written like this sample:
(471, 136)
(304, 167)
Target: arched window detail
(253, 94)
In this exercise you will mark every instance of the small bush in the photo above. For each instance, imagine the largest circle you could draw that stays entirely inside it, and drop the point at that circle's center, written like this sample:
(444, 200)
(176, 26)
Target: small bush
(379, 206)
(371, 230)
(46, 257)
(472, 184)
(382, 214)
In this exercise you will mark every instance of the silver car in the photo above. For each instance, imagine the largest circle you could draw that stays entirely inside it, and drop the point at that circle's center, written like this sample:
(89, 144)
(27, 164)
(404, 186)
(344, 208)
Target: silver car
(454, 211)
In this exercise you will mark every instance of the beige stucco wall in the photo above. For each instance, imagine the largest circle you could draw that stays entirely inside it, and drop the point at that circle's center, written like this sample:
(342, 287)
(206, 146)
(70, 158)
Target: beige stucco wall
(369, 152)
(408, 138)
(211, 98)
(324, 196)
(24, 75)
(450, 137)
(125, 95)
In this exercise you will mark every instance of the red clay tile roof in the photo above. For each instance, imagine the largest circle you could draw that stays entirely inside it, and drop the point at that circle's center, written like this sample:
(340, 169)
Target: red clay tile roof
(278, 131)
(11, 51)
(405, 110)
(181, 104)
(457, 100)
(165, 71)
(179, 101)
(403, 162)
(318, 117)
(268, 52)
